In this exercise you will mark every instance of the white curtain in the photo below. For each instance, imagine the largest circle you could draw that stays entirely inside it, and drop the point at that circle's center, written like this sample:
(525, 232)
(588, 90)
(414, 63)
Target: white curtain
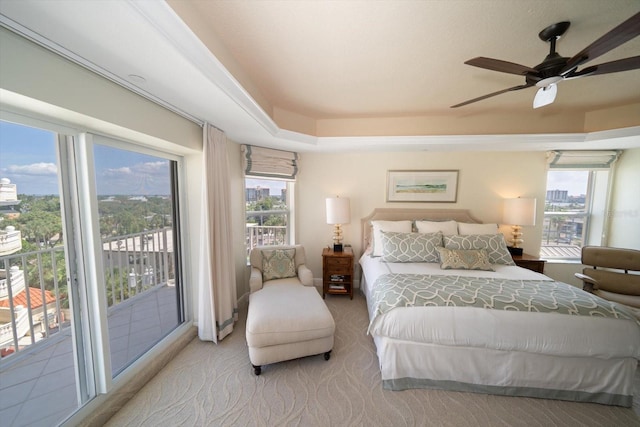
(217, 297)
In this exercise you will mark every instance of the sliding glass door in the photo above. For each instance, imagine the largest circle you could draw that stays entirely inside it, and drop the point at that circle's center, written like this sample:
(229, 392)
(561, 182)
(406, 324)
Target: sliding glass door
(90, 267)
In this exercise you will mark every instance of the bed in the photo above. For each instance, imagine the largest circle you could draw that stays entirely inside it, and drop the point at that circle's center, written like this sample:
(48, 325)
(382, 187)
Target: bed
(509, 331)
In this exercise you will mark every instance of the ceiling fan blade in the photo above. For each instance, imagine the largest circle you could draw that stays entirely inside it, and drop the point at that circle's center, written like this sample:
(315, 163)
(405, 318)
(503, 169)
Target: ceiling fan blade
(624, 32)
(625, 64)
(480, 98)
(499, 65)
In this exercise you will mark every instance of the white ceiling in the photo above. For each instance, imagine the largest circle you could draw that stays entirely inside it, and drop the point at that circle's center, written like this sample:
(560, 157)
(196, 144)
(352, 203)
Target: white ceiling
(238, 63)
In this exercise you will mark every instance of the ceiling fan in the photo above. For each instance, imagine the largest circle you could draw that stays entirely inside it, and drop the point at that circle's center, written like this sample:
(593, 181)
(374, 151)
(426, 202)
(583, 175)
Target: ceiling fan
(556, 68)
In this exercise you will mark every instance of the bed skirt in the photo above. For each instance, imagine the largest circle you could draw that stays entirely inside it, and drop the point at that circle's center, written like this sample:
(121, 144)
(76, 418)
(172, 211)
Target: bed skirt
(509, 373)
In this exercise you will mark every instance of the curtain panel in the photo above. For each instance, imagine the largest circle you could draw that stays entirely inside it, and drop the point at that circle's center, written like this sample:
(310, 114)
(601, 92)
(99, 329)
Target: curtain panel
(217, 295)
(268, 163)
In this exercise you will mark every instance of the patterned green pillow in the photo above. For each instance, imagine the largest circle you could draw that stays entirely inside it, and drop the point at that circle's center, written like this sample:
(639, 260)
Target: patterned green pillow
(278, 264)
(464, 259)
(410, 247)
(494, 244)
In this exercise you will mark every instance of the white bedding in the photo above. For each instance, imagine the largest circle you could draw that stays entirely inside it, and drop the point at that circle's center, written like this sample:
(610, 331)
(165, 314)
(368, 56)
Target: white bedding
(539, 340)
(545, 333)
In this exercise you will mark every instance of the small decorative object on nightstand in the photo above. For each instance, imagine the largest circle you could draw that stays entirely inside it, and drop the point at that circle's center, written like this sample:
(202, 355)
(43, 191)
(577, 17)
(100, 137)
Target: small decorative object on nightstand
(529, 262)
(337, 272)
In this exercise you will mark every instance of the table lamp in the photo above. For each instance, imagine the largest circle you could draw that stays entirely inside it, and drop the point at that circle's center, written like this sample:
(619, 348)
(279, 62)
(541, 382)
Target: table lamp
(338, 213)
(518, 212)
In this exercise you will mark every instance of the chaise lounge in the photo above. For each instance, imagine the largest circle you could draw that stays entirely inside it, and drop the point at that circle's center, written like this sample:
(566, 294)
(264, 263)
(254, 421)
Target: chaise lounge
(287, 317)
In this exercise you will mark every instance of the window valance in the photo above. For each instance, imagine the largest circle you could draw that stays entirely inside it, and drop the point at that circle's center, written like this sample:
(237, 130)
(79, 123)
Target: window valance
(269, 163)
(577, 159)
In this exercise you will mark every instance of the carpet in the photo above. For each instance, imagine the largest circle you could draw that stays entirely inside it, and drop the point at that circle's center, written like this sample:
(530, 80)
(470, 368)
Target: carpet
(214, 385)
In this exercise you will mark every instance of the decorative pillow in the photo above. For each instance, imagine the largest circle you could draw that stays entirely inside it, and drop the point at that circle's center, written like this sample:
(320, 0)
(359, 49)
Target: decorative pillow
(380, 226)
(494, 244)
(464, 259)
(278, 264)
(465, 228)
(447, 228)
(410, 247)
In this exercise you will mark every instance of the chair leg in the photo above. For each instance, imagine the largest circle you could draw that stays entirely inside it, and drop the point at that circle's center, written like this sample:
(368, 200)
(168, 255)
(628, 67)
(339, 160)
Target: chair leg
(257, 369)
(327, 355)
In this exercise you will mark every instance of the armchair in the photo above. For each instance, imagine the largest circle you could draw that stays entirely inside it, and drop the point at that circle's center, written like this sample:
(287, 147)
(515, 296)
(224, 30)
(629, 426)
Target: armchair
(614, 275)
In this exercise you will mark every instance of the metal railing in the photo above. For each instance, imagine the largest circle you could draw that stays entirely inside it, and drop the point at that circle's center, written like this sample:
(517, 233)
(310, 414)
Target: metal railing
(266, 235)
(563, 234)
(137, 262)
(34, 301)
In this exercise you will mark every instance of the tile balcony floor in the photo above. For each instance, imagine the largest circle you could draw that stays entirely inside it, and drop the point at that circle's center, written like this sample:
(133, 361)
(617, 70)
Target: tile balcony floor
(38, 388)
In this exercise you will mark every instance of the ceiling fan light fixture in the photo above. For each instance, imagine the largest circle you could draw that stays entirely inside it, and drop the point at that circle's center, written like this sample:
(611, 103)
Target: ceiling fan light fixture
(549, 81)
(545, 96)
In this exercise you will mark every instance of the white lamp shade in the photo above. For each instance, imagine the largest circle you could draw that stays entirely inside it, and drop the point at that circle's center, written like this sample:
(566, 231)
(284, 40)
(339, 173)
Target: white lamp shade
(520, 211)
(338, 211)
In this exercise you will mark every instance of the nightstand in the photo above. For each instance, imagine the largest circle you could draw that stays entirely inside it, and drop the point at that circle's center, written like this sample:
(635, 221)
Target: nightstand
(337, 272)
(529, 262)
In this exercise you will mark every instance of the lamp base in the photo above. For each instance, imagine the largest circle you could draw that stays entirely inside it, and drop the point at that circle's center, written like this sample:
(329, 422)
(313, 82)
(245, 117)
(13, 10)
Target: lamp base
(337, 247)
(515, 251)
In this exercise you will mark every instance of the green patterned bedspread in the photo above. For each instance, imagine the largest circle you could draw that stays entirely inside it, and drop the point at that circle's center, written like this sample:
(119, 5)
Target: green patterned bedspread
(409, 290)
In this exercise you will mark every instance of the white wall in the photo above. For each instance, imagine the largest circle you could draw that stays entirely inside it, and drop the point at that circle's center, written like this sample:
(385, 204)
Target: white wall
(485, 179)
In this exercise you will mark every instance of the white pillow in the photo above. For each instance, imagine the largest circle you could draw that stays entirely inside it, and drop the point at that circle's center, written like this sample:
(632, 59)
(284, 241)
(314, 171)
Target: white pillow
(466, 229)
(380, 226)
(447, 228)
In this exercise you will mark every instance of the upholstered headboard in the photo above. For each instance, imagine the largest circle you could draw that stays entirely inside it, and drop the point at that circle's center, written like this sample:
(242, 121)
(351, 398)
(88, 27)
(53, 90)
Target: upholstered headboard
(398, 214)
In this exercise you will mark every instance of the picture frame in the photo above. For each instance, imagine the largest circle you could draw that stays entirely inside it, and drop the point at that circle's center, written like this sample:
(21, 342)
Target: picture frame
(424, 186)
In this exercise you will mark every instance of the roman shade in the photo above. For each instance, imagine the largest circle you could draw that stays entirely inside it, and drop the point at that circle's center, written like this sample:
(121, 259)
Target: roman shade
(596, 159)
(269, 163)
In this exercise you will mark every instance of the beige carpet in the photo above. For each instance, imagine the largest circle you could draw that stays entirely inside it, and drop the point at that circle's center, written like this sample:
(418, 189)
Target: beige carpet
(214, 385)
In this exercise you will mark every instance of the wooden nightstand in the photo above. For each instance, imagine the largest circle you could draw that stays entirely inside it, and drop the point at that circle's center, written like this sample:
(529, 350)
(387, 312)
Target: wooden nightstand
(337, 272)
(529, 262)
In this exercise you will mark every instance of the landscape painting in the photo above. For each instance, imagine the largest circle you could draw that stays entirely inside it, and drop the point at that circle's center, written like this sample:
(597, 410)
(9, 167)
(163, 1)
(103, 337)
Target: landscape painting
(422, 186)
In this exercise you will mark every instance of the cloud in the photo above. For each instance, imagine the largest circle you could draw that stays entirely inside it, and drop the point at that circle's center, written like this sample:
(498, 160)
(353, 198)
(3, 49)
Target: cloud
(38, 169)
(153, 167)
(118, 171)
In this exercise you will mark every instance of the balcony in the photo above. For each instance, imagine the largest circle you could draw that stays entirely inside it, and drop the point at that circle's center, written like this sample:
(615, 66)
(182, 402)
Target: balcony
(10, 241)
(38, 363)
(8, 191)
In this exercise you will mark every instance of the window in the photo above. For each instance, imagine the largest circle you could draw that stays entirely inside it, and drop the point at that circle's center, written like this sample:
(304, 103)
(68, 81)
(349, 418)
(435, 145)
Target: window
(576, 203)
(90, 268)
(269, 195)
(268, 216)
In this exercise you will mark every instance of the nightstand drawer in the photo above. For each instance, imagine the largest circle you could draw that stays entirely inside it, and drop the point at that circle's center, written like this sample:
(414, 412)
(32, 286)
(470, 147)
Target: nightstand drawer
(339, 262)
(338, 269)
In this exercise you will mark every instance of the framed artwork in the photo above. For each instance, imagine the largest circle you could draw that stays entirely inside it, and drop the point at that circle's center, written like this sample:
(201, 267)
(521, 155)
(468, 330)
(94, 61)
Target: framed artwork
(422, 186)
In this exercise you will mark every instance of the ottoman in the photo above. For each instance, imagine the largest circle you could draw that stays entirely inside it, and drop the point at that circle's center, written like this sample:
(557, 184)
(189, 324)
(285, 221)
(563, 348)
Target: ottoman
(287, 321)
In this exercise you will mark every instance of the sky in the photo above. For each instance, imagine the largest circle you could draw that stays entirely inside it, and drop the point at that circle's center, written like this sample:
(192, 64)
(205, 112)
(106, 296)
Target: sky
(28, 159)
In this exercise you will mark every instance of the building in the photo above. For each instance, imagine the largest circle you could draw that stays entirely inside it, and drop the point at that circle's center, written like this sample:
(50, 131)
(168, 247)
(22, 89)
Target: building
(557, 196)
(495, 148)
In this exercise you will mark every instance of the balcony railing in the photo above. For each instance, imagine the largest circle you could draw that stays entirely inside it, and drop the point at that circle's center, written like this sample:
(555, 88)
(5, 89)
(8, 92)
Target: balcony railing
(266, 235)
(137, 262)
(563, 234)
(34, 302)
